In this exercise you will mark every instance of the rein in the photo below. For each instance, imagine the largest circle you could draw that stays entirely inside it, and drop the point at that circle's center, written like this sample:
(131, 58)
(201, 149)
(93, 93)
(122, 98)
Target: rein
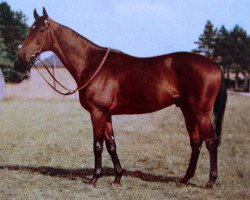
(69, 91)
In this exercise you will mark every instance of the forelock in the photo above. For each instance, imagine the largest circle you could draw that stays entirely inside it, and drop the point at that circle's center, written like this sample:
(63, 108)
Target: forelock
(39, 21)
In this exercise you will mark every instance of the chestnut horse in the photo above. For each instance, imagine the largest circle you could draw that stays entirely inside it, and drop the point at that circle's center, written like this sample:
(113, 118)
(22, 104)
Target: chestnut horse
(117, 83)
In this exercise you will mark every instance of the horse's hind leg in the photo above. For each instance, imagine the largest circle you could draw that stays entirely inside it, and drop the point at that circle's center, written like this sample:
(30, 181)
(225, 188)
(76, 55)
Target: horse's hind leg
(200, 128)
(212, 146)
(195, 142)
(208, 134)
(111, 147)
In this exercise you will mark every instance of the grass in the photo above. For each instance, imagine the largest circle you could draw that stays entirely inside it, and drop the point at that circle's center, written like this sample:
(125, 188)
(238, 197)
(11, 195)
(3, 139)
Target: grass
(46, 153)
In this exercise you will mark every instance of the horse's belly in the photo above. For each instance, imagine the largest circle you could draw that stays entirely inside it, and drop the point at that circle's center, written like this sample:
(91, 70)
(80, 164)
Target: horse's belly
(142, 104)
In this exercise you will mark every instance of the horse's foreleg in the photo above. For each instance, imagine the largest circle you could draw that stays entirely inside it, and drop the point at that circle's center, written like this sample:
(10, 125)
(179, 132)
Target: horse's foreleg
(111, 147)
(98, 122)
(98, 148)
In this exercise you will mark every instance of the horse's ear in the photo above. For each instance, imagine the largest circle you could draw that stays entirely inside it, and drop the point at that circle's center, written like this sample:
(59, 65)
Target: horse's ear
(45, 14)
(36, 16)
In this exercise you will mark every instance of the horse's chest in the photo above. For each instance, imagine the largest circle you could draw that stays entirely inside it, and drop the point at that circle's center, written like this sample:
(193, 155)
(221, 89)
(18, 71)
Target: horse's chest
(99, 97)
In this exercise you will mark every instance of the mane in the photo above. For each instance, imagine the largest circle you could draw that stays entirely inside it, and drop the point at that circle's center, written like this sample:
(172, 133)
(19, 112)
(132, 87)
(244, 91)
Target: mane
(81, 36)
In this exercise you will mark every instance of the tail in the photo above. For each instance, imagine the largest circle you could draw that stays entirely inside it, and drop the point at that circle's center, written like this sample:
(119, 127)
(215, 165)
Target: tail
(219, 109)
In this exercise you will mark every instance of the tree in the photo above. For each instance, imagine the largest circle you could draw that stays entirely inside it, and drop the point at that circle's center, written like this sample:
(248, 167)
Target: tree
(231, 49)
(222, 46)
(207, 40)
(3, 53)
(13, 30)
(238, 49)
(240, 41)
(222, 49)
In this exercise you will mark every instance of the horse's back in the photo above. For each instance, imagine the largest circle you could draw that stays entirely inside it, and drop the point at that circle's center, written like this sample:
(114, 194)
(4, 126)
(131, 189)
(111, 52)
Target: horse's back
(182, 70)
(180, 77)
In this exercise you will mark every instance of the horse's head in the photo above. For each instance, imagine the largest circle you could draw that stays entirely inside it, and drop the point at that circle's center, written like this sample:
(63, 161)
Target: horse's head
(38, 40)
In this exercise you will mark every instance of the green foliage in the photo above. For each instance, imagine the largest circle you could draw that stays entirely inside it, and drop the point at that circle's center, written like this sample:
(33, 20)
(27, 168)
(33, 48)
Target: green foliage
(4, 61)
(207, 40)
(13, 30)
(223, 45)
(231, 47)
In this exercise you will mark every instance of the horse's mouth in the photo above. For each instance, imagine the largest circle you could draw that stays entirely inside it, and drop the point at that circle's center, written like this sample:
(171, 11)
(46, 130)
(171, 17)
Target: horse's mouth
(28, 60)
(34, 58)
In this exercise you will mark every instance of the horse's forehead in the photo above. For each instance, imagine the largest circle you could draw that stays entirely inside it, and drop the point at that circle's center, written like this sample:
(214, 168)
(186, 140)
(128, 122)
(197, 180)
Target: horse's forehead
(39, 21)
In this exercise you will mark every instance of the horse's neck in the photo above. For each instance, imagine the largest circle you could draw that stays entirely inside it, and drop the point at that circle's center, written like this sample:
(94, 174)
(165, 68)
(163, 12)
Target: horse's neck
(73, 50)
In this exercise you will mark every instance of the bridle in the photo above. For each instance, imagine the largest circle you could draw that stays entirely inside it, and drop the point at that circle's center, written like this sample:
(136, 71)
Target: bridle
(69, 91)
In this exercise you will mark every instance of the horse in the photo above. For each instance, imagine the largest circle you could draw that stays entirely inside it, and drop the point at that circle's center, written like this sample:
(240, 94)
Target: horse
(111, 82)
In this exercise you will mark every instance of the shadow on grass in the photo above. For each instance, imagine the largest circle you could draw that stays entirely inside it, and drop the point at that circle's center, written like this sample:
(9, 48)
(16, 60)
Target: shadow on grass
(85, 174)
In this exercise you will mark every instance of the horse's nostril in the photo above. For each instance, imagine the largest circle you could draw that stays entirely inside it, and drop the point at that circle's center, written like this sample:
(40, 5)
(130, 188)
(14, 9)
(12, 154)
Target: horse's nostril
(32, 58)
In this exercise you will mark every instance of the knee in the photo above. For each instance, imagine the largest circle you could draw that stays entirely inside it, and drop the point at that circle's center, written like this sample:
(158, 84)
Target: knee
(111, 148)
(98, 146)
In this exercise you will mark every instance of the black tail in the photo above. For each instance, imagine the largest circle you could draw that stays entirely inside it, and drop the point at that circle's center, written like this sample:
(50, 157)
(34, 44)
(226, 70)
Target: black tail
(219, 109)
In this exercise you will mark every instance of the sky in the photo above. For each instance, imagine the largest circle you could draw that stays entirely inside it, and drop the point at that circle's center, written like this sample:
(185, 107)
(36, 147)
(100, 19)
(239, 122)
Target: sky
(141, 27)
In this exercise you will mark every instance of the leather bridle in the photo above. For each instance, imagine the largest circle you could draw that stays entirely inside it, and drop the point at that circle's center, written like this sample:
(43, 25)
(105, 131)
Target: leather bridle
(69, 91)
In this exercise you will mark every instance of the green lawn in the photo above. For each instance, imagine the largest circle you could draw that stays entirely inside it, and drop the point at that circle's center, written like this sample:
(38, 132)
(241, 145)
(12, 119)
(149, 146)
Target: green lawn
(46, 153)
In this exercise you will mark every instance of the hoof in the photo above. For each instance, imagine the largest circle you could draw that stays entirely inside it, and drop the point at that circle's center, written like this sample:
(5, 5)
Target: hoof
(93, 185)
(183, 181)
(92, 182)
(116, 185)
(209, 185)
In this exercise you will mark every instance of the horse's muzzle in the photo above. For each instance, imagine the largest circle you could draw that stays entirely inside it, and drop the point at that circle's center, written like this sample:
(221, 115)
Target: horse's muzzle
(24, 58)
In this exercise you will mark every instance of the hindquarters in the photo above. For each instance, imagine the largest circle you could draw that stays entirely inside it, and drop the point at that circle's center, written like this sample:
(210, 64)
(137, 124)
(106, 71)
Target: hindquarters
(199, 80)
(201, 92)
